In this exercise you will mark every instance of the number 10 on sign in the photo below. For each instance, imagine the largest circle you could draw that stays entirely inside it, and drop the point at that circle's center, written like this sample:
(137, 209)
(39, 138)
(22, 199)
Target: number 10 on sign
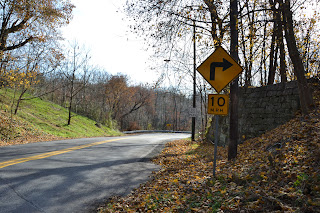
(218, 104)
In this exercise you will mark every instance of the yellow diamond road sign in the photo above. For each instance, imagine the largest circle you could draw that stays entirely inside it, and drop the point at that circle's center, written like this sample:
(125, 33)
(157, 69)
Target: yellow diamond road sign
(219, 69)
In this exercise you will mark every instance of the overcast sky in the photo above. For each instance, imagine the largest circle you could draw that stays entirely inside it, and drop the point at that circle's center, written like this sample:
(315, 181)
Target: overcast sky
(102, 28)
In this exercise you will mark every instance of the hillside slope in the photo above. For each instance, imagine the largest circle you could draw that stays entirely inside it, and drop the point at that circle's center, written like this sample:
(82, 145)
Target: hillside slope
(40, 120)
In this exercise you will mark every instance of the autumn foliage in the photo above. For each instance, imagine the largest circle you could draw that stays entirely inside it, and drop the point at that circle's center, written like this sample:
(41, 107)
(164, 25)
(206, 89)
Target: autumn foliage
(276, 172)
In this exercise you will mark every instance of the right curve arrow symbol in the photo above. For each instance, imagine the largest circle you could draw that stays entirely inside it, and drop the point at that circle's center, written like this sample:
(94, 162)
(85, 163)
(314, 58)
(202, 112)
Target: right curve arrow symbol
(225, 65)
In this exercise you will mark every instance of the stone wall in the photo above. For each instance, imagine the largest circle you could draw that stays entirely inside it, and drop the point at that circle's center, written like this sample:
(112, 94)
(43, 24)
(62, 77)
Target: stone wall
(261, 109)
(264, 108)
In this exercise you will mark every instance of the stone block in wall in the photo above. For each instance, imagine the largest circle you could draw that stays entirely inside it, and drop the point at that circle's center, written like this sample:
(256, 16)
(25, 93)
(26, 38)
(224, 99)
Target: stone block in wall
(295, 92)
(264, 104)
(269, 121)
(263, 94)
(278, 107)
(249, 103)
(269, 87)
(254, 95)
(269, 109)
(283, 99)
(286, 105)
(271, 93)
(295, 104)
(258, 101)
(291, 85)
(273, 87)
(259, 111)
(289, 112)
(257, 121)
(280, 93)
(288, 92)
(248, 90)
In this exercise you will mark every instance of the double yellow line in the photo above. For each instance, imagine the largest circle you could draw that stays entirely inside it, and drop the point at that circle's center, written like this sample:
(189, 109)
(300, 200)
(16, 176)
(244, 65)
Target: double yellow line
(49, 154)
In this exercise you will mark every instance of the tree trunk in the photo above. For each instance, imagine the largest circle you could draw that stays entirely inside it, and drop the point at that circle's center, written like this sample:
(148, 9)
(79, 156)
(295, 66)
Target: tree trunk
(283, 73)
(234, 135)
(69, 109)
(19, 100)
(263, 57)
(71, 97)
(304, 92)
(272, 68)
(246, 66)
(248, 79)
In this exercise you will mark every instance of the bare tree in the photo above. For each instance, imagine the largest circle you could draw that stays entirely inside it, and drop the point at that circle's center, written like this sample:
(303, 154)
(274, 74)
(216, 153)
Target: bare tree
(76, 74)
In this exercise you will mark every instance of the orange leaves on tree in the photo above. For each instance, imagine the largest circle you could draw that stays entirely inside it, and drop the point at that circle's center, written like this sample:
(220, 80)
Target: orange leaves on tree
(17, 78)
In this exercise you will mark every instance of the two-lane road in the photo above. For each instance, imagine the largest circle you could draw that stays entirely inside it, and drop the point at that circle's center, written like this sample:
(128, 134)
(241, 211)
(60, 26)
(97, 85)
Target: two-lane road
(75, 175)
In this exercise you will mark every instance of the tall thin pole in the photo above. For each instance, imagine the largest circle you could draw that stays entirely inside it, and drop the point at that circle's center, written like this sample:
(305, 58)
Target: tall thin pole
(234, 90)
(194, 82)
(216, 139)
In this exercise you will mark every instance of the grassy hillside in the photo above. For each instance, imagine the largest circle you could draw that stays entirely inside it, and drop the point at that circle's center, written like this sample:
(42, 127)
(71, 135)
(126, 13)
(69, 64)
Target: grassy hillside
(39, 120)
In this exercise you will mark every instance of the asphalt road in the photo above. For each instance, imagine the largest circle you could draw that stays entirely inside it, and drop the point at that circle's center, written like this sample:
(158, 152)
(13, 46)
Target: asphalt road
(75, 175)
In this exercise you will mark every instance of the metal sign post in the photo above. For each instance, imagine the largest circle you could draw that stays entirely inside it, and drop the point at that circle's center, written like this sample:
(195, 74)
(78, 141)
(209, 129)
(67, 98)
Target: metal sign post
(216, 135)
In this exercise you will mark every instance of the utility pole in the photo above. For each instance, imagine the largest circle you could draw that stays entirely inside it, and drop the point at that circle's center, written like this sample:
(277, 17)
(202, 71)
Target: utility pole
(194, 82)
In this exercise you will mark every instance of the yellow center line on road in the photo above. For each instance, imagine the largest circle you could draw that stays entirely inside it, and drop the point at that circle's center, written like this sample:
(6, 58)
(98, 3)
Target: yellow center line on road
(49, 154)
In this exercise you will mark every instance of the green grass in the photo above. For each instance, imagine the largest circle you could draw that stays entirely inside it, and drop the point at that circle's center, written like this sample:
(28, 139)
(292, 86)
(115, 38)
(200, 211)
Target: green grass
(52, 118)
(192, 151)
